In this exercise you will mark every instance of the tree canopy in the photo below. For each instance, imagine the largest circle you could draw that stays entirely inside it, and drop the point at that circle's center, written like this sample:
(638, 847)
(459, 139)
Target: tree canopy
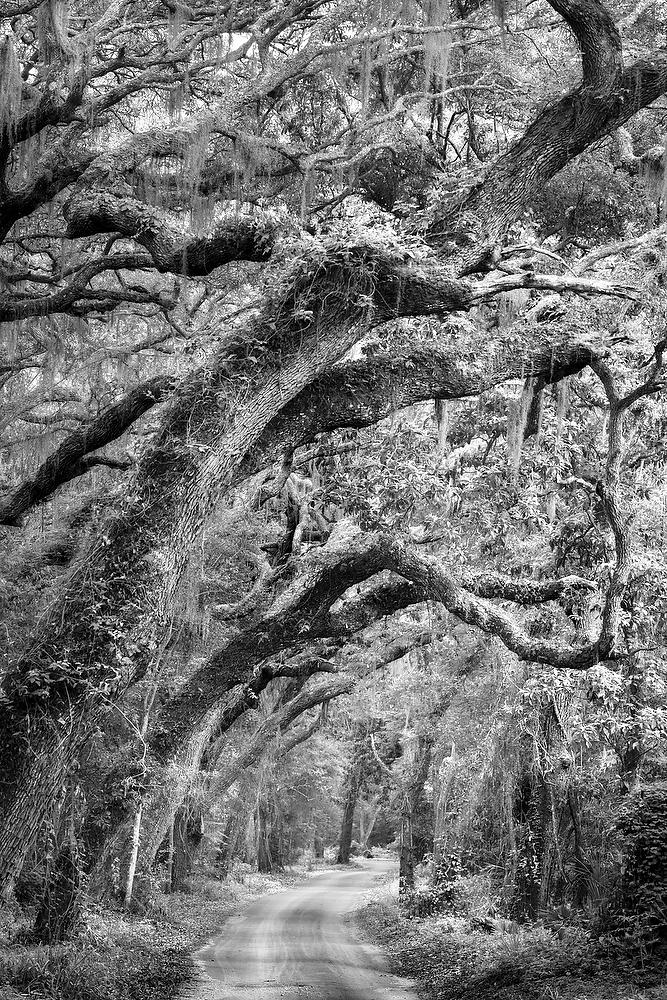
(332, 340)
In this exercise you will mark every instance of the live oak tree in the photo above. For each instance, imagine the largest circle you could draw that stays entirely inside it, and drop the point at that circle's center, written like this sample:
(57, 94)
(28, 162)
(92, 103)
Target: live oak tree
(159, 174)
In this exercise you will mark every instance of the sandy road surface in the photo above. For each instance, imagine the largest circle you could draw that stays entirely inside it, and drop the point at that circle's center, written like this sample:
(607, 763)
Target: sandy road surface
(298, 944)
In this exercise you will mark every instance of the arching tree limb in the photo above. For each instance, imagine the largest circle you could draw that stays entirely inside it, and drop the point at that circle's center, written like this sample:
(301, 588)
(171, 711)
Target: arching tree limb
(354, 395)
(241, 238)
(598, 38)
(361, 393)
(314, 693)
(302, 614)
(69, 460)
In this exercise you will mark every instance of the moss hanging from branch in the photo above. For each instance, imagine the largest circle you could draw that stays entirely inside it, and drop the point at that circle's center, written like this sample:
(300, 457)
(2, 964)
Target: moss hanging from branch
(442, 422)
(437, 45)
(10, 88)
(517, 420)
(52, 31)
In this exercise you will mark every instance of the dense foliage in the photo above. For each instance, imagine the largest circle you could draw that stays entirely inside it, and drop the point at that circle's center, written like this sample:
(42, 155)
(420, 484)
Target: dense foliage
(332, 452)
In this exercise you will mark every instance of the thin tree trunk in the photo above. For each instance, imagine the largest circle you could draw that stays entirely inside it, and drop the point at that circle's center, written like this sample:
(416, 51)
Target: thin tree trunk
(134, 851)
(228, 843)
(264, 857)
(366, 824)
(443, 794)
(60, 909)
(412, 791)
(634, 750)
(251, 838)
(158, 810)
(354, 780)
(170, 857)
(582, 879)
(349, 806)
(551, 748)
(406, 869)
(547, 838)
(181, 863)
(136, 826)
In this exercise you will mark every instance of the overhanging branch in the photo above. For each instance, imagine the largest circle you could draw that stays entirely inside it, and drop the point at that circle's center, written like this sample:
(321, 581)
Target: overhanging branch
(69, 460)
(240, 238)
(302, 614)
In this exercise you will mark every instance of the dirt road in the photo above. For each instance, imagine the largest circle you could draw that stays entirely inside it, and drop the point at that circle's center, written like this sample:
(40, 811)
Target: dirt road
(298, 944)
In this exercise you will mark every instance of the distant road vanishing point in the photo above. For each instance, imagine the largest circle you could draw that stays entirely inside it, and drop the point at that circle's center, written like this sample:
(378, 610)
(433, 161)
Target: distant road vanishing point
(299, 944)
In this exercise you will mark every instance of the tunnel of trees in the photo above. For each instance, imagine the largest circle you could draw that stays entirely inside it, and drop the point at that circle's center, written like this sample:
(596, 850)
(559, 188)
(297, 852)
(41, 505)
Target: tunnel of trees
(332, 496)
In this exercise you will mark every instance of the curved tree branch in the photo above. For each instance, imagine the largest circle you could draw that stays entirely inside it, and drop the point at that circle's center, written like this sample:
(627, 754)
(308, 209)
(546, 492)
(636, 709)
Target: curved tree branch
(598, 38)
(353, 395)
(242, 238)
(69, 460)
(362, 393)
(68, 297)
(303, 613)
(314, 693)
(607, 97)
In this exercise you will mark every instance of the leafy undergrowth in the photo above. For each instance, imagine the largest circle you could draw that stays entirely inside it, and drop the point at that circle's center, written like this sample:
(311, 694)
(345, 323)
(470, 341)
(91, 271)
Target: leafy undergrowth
(450, 960)
(118, 956)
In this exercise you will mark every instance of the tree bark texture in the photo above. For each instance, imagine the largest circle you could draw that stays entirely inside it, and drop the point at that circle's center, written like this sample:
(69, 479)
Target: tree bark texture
(356, 394)
(60, 910)
(303, 610)
(411, 792)
(68, 461)
(443, 793)
(263, 826)
(352, 789)
(188, 835)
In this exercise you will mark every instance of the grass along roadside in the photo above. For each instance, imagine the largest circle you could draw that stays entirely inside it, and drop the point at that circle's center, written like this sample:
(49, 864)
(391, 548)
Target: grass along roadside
(120, 956)
(448, 959)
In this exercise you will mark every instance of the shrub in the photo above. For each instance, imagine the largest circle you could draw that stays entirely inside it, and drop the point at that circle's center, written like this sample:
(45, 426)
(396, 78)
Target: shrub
(439, 895)
(643, 826)
(453, 962)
